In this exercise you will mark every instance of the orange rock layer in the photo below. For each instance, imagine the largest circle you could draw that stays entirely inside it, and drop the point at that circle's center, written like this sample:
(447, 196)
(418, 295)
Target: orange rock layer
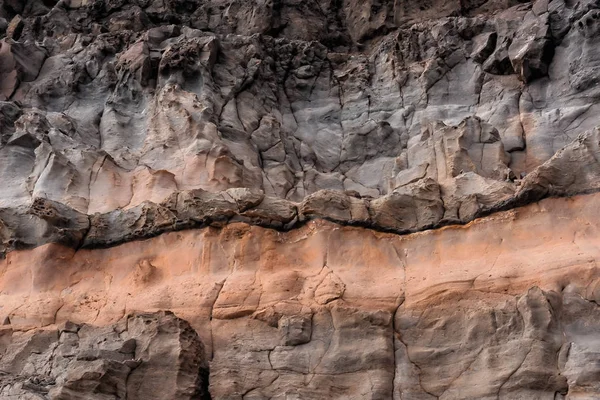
(345, 312)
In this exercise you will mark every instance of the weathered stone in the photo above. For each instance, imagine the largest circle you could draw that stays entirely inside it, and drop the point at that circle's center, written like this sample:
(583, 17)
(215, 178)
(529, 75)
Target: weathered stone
(500, 302)
(181, 109)
(336, 206)
(146, 356)
(282, 175)
(145, 220)
(532, 50)
(573, 169)
(45, 221)
(409, 208)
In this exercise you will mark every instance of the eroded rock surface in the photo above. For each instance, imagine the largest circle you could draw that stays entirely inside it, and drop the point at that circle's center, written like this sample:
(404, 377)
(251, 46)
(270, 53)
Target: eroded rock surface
(144, 356)
(111, 104)
(504, 307)
(384, 115)
(283, 177)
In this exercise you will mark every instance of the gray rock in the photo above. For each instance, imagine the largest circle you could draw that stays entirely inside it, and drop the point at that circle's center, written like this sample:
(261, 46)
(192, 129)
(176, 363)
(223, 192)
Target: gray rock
(45, 221)
(145, 356)
(409, 208)
(532, 49)
(113, 119)
(573, 169)
(336, 206)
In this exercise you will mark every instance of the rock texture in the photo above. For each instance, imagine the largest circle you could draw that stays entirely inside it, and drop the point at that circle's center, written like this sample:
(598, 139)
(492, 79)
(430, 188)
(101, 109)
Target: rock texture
(390, 116)
(111, 104)
(260, 199)
(505, 307)
(145, 356)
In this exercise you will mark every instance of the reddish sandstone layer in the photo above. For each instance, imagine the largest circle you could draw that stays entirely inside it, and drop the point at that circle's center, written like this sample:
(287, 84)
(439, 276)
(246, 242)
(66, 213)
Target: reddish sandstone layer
(327, 304)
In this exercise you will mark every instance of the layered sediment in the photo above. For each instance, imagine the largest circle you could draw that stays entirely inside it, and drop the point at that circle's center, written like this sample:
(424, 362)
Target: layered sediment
(299, 200)
(505, 306)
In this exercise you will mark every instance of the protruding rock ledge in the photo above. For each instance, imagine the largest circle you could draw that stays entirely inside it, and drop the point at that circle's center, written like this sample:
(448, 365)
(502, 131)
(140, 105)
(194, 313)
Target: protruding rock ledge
(414, 207)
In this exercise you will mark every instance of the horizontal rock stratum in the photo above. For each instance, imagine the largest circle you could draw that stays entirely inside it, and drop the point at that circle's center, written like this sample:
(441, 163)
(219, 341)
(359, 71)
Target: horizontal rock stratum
(505, 306)
(289, 200)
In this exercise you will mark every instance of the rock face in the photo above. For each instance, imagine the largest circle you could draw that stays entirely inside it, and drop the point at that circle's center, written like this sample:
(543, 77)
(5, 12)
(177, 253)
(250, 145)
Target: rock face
(505, 307)
(259, 199)
(111, 104)
(145, 356)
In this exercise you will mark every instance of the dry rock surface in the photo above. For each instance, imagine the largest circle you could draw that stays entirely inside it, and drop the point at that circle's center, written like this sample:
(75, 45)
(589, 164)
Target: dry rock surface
(111, 104)
(145, 356)
(259, 199)
(505, 307)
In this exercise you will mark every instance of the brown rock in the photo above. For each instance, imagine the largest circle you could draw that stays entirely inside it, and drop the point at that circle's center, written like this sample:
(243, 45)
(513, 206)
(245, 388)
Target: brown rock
(500, 301)
(209, 157)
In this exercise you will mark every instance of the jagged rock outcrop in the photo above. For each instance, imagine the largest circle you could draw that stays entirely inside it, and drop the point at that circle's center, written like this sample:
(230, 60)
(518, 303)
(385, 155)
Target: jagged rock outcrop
(106, 111)
(144, 356)
(261, 199)
(455, 191)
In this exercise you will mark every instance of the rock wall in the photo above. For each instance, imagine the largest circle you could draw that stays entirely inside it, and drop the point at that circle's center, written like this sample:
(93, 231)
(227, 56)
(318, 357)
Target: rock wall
(503, 307)
(325, 199)
(149, 356)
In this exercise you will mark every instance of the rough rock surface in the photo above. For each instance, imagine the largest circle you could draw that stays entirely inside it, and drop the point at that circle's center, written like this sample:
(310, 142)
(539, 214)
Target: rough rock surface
(285, 176)
(422, 115)
(144, 356)
(504, 307)
(109, 104)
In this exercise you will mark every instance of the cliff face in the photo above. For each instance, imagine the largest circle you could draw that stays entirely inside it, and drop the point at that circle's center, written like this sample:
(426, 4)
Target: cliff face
(334, 199)
(503, 307)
